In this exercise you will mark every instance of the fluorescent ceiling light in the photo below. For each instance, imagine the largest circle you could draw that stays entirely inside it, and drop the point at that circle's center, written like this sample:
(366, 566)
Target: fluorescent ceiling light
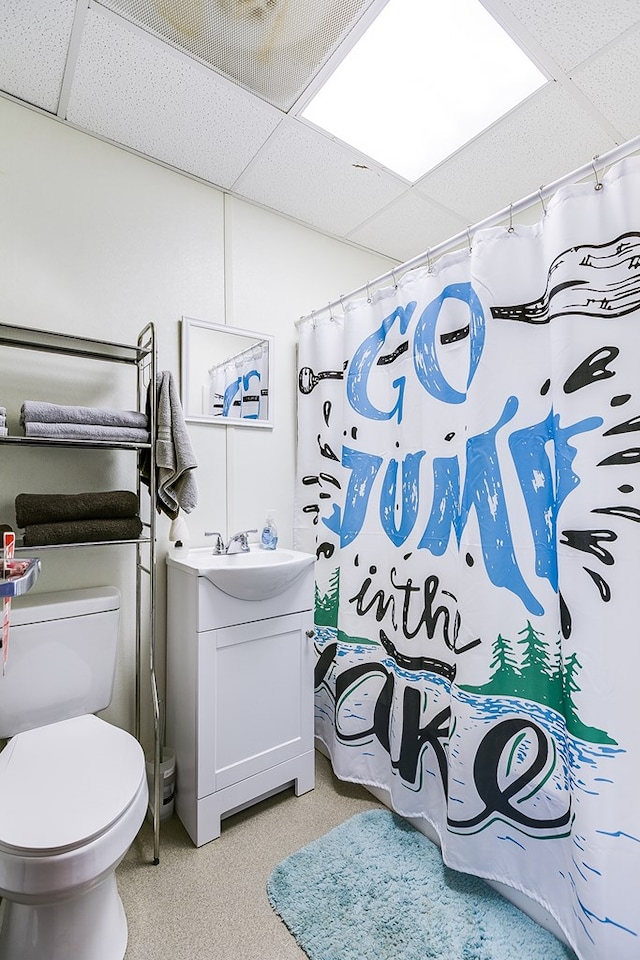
(422, 81)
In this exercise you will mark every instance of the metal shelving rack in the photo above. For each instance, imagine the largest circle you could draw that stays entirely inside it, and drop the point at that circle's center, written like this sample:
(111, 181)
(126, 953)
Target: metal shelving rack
(143, 356)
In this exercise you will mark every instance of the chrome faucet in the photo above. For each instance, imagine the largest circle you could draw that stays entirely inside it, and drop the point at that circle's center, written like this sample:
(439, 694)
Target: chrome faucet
(239, 542)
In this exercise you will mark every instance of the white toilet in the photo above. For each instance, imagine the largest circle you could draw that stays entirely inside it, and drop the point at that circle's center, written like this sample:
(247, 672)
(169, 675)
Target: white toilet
(73, 788)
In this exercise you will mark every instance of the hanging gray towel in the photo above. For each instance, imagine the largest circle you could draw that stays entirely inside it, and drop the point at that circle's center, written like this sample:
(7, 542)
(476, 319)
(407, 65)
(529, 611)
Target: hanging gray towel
(43, 412)
(34, 508)
(175, 460)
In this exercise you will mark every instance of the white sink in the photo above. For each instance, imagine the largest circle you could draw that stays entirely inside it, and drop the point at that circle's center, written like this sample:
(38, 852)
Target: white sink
(256, 575)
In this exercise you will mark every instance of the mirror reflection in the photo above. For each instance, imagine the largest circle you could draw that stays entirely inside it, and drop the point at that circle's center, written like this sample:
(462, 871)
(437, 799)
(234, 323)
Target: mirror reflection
(226, 374)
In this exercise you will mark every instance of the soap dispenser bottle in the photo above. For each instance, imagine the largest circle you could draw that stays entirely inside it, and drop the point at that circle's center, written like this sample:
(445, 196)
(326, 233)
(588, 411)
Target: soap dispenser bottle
(269, 536)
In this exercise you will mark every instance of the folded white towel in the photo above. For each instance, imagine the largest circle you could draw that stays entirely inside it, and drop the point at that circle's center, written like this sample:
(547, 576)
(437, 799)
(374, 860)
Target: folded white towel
(39, 411)
(4, 431)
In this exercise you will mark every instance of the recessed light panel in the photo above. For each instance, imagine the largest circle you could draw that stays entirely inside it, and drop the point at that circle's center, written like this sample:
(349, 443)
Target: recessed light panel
(422, 81)
(273, 48)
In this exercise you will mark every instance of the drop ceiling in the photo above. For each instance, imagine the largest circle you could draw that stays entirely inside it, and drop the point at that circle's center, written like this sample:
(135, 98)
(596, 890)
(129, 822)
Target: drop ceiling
(216, 88)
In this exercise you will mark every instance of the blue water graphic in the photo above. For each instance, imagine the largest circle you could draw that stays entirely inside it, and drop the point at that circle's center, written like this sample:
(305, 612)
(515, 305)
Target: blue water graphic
(511, 840)
(619, 833)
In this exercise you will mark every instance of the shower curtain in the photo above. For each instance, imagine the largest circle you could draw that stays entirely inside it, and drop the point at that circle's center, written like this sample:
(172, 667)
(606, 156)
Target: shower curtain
(469, 479)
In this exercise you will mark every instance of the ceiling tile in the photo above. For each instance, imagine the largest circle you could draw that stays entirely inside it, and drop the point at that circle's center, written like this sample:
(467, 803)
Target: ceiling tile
(133, 90)
(315, 179)
(572, 30)
(34, 40)
(611, 81)
(546, 138)
(408, 227)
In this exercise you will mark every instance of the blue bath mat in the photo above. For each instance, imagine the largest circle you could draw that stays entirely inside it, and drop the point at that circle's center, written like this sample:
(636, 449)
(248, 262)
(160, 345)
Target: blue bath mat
(376, 889)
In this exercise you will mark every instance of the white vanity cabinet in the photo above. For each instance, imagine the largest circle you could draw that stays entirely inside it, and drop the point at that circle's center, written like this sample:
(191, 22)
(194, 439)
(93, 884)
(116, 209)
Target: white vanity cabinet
(239, 694)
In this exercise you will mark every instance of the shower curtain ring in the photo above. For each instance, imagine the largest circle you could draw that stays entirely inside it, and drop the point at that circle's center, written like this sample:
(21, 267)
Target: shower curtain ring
(331, 317)
(598, 185)
(469, 239)
(511, 228)
(429, 264)
(313, 319)
(368, 294)
(544, 209)
(393, 277)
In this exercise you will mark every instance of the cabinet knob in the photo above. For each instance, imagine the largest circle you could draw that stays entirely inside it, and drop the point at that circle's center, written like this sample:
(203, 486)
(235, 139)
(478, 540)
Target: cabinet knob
(311, 633)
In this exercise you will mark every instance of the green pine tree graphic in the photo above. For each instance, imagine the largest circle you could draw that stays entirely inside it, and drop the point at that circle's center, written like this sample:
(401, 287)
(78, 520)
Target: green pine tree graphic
(540, 672)
(326, 605)
(505, 671)
(541, 678)
(574, 723)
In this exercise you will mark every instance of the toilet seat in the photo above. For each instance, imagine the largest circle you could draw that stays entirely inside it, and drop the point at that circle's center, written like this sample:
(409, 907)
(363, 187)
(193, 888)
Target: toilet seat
(65, 784)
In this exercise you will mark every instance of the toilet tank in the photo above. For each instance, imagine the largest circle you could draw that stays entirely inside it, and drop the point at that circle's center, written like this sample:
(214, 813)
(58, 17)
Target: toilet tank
(62, 657)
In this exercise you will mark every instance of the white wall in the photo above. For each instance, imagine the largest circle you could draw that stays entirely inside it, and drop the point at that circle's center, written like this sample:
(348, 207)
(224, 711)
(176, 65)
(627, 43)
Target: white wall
(98, 242)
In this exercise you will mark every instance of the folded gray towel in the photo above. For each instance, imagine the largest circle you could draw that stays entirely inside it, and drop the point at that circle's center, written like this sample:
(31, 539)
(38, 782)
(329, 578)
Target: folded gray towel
(82, 531)
(86, 431)
(175, 461)
(42, 412)
(32, 508)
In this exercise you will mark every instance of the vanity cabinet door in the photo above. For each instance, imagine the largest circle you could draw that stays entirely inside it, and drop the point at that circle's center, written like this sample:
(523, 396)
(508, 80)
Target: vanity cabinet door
(255, 698)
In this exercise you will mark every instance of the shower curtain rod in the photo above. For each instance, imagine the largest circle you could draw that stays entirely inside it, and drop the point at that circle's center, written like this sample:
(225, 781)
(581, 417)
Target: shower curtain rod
(235, 357)
(599, 162)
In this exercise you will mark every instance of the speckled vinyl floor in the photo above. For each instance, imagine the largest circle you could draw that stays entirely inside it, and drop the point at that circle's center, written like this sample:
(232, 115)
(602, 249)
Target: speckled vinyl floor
(210, 903)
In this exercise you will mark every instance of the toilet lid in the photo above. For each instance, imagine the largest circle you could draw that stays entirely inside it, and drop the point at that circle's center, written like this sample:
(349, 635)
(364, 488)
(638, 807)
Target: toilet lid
(63, 784)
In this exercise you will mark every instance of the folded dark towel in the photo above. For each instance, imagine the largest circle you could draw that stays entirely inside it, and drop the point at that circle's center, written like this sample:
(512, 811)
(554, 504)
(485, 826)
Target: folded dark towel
(62, 507)
(82, 531)
(85, 431)
(41, 412)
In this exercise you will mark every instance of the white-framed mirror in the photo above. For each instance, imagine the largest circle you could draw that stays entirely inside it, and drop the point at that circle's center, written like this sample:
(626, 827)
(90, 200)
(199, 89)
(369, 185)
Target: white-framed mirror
(226, 374)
